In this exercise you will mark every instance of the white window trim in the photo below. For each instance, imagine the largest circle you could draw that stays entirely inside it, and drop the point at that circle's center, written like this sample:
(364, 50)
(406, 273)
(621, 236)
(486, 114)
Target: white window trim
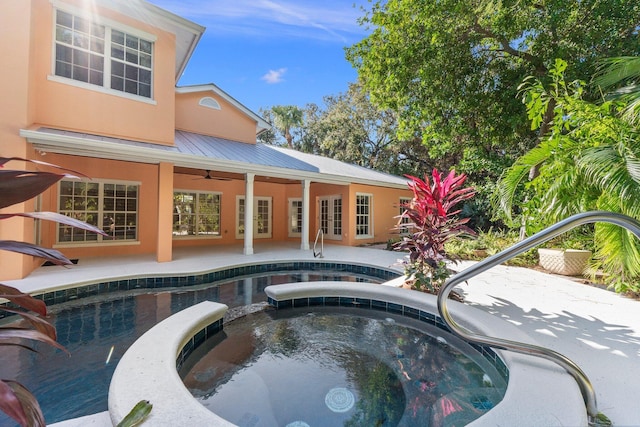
(58, 5)
(370, 234)
(209, 102)
(290, 216)
(403, 201)
(104, 242)
(201, 236)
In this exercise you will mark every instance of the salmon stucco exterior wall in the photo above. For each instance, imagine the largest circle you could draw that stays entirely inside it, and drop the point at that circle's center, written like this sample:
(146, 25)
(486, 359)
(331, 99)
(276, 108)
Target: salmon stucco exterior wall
(180, 158)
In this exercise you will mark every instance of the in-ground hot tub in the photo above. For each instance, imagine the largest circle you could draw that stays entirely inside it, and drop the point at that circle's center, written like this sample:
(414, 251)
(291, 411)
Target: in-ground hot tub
(538, 392)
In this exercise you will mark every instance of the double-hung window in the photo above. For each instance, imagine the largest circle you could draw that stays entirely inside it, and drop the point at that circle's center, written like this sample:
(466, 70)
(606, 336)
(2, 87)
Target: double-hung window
(364, 215)
(103, 56)
(196, 214)
(111, 206)
(403, 222)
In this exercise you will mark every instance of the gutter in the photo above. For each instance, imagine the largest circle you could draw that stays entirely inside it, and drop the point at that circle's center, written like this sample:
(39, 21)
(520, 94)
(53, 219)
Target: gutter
(62, 144)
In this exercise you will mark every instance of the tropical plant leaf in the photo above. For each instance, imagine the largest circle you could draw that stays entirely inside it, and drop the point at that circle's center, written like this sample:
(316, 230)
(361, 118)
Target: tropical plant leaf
(137, 414)
(25, 301)
(29, 334)
(52, 255)
(21, 405)
(38, 323)
(11, 405)
(13, 344)
(4, 160)
(53, 216)
(20, 186)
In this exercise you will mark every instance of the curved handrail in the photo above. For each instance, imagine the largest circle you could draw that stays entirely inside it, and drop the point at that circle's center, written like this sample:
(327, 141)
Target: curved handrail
(549, 233)
(319, 234)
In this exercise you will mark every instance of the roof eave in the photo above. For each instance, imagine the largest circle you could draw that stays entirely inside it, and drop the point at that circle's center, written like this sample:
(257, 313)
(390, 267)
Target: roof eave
(63, 144)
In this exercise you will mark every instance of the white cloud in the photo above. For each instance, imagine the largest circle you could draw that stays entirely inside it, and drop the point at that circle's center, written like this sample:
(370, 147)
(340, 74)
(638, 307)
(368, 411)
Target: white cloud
(329, 20)
(274, 76)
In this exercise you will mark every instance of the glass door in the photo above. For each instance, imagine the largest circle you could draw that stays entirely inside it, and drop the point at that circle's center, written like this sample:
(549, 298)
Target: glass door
(330, 216)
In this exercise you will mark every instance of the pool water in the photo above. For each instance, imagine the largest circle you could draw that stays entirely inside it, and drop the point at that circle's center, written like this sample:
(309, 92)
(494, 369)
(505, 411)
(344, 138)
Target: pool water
(97, 331)
(340, 367)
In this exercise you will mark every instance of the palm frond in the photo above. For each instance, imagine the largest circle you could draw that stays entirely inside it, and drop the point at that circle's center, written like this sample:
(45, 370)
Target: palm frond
(613, 71)
(513, 177)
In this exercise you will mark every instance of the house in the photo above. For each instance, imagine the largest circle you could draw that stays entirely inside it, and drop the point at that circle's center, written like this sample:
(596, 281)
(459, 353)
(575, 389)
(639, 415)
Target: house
(92, 86)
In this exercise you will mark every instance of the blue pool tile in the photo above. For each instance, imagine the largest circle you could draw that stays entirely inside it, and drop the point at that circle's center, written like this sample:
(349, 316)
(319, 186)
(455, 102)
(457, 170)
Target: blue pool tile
(301, 302)
(379, 305)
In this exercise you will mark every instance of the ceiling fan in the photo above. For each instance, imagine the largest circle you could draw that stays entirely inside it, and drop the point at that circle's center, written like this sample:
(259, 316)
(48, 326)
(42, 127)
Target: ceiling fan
(209, 176)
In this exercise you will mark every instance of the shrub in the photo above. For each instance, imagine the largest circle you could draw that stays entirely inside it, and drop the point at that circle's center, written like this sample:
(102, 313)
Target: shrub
(432, 222)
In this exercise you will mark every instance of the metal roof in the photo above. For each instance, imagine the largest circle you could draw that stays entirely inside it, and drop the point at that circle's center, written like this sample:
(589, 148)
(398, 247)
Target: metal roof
(194, 150)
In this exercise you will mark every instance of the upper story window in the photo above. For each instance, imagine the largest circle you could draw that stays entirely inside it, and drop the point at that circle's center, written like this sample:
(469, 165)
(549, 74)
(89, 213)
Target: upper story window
(103, 56)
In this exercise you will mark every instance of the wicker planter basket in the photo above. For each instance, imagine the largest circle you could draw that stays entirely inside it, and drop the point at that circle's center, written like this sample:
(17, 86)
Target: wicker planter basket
(569, 262)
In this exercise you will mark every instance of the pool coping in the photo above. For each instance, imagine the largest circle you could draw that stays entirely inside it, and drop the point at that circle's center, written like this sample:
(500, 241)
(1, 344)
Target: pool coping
(148, 369)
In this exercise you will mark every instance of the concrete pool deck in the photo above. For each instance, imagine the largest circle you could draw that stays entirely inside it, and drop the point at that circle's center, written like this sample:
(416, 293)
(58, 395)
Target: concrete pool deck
(596, 328)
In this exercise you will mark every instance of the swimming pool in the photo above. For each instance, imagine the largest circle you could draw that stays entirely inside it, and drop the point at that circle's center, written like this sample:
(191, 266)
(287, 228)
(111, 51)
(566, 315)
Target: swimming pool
(98, 322)
(327, 366)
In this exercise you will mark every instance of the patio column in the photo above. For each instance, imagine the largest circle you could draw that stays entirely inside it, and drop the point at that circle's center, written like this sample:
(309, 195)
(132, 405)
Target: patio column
(248, 214)
(304, 243)
(164, 249)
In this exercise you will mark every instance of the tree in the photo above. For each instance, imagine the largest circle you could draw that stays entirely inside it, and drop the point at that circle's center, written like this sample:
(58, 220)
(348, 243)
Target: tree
(351, 129)
(621, 78)
(451, 68)
(286, 117)
(589, 160)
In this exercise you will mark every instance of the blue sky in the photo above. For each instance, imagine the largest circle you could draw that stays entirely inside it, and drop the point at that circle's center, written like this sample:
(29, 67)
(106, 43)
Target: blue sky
(272, 52)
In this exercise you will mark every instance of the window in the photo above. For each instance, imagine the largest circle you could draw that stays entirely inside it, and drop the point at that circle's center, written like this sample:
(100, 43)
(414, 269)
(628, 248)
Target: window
(113, 207)
(295, 217)
(102, 56)
(404, 201)
(363, 215)
(196, 214)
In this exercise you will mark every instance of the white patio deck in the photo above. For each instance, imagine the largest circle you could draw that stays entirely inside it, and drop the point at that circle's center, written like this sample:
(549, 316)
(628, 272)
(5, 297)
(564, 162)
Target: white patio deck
(597, 329)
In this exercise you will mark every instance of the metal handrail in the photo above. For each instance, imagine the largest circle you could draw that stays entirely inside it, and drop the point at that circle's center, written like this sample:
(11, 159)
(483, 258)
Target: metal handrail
(581, 378)
(319, 234)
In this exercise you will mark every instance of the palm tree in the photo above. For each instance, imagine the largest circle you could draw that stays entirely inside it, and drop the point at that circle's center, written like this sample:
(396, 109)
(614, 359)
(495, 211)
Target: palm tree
(590, 160)
(285, 118)
(620, 77)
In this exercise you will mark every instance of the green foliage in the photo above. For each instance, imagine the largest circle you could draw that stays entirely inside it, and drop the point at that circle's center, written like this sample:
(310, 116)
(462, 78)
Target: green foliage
(488, 243)
(589, 160)
(137, 415)
(432, 222)
(451, 69)
(285, 118)
(350, 128)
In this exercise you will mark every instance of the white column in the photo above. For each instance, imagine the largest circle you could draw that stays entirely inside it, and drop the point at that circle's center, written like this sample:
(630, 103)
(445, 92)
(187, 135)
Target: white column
(248, 214)
(304, 243)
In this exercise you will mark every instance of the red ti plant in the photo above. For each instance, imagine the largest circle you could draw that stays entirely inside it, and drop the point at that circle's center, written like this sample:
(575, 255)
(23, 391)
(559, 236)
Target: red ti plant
(431, 220)
(17, 186)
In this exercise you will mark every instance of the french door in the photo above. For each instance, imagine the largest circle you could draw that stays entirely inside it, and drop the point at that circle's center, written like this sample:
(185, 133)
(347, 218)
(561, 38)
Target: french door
(330, 216)
(262, 221)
